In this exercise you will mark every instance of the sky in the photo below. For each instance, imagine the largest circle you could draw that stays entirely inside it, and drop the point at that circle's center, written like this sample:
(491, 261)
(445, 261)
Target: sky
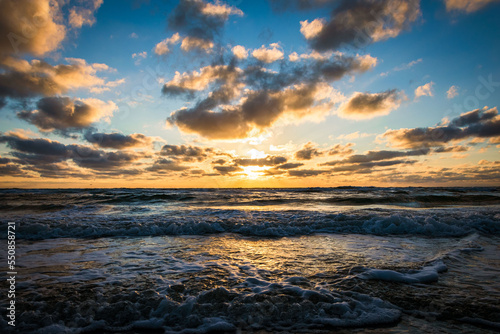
(239, 93)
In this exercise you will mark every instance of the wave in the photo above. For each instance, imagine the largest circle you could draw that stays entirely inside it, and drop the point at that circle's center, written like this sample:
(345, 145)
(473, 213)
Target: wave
(436, 223)
(53, 200)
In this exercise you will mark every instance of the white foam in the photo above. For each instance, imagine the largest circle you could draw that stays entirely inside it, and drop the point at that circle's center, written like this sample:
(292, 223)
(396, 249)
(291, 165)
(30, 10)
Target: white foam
(427, 274)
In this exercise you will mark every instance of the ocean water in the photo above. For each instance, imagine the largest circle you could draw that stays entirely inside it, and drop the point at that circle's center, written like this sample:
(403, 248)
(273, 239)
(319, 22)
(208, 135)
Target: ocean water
(363, 260)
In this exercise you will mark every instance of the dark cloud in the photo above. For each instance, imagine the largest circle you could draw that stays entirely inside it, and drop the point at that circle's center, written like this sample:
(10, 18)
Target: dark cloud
(67, 114)
(449, 149)
(219, 162)
(306, 172)
(39, 152)
(187, 152)
(165, 165)
(9, 169)
(228, 170)
(36, 146)
(367, 105)
(118, 140)
(308, 152)
(21, 79)
(474, 117)
(290, 165)
(377, 156)
(268, 161)
(283, 5)
(36, 159)
(339, 149)
(480, 123)
(365, 163)
(15, 84)
(355, 23)
(60, 170)
(102, 160)
(199, 19)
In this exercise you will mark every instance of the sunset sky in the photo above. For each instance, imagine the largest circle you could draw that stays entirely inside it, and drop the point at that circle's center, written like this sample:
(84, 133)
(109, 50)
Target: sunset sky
(239, 93)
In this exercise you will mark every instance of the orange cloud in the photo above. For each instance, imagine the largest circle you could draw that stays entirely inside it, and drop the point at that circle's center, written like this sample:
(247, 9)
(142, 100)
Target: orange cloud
(30, 26)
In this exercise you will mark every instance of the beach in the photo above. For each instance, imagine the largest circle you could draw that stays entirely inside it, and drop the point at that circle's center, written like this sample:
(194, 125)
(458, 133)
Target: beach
(249, 260)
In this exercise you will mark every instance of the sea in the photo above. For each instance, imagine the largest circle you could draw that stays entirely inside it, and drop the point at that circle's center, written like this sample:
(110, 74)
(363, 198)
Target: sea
(308, 260)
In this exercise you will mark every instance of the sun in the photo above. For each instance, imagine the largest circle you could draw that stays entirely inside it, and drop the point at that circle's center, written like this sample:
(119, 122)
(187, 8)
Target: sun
(254, 172)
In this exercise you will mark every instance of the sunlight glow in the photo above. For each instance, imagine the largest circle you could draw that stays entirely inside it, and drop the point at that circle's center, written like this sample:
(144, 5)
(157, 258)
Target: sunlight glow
(254, 172)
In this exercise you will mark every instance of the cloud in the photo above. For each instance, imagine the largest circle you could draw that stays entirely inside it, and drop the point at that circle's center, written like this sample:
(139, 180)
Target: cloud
(107, 86)
(357, 23)
(194, 43)
(312, 29)
(220, 10)
(199, 19)
(299, 91)
(30, 26)
(367, 167)
(354, 135)
(367, 106)
(187, 152)
(372, 156)
(44, 152)
(453, 149)
(308, 152)
(219, 162)
(80, 16)
(163, 47)
(341, 150)
(38, 146)
(306, 172)
(54, 159)
(282, 5)
(228, 170)
(164, 165)
(452, 92)
(67, 114)
(290, 165)
(21, 79)
(139, 55)
(133, 35)
(188, 83)
(117, 140)
(479, 123)
(403, 67)
(9, 169)
(257, 111)
(103, 160)
(240, 52)
(268, 161)
(467, 6)
(425, 90)
(268, 55)
(294, 56)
